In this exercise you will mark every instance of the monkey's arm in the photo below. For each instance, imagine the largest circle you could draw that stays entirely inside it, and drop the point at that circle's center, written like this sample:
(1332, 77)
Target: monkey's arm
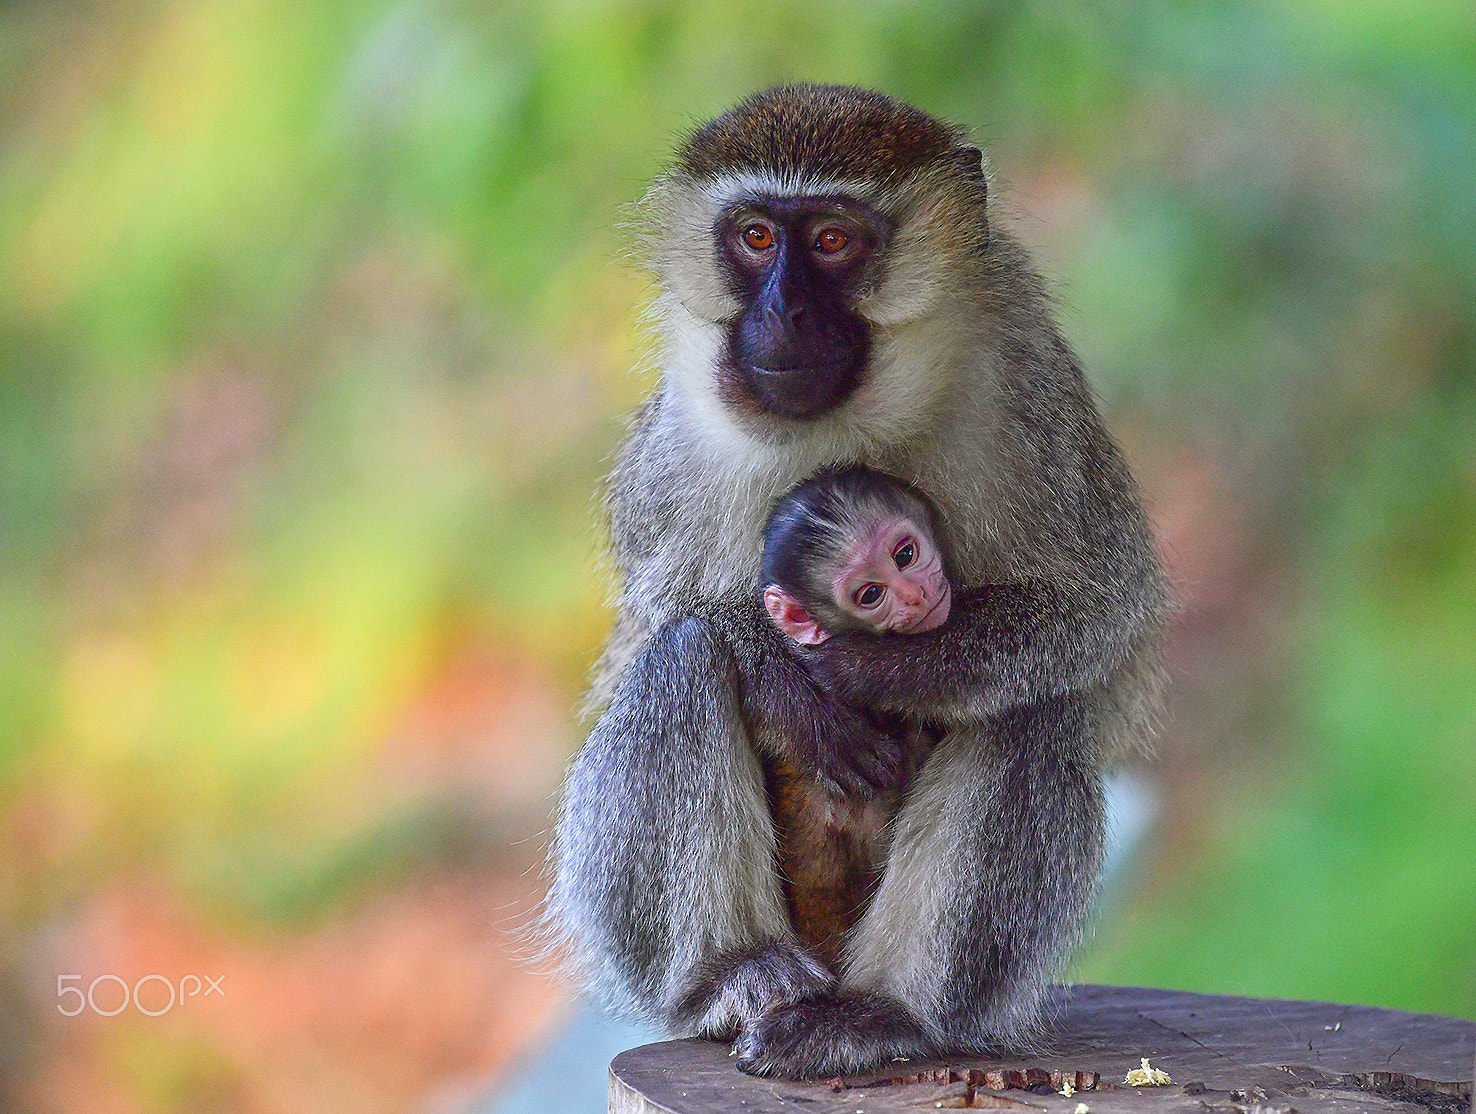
(1098, 601)
(1003, 645)
(846, 750)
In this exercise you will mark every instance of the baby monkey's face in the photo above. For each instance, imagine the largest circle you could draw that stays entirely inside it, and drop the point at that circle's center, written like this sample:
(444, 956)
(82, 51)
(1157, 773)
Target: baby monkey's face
(892, 579)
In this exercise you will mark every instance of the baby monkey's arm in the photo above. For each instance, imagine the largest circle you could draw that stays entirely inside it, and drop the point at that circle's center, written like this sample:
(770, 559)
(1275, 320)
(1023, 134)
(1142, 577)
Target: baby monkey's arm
(848, 751)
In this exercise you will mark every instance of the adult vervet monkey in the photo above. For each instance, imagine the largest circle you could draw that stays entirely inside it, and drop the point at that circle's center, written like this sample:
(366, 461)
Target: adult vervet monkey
(832, 291)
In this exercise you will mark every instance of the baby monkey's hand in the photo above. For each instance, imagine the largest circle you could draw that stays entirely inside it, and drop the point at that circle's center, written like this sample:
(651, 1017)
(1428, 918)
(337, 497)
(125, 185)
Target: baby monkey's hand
(851, 753)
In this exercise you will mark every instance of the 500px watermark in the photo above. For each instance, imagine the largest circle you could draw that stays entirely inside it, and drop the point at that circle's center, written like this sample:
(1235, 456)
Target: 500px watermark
(163, 995)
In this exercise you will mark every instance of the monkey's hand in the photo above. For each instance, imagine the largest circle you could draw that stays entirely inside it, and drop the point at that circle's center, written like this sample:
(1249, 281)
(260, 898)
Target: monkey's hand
(853, 753)
(848, 751)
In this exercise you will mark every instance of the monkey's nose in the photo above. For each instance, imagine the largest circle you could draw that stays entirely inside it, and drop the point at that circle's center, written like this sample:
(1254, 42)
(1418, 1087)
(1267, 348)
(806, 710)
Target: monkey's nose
(910, 593)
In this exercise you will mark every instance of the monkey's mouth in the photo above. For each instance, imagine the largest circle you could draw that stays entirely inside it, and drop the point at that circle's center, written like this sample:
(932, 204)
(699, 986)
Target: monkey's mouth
(803, 391)
(797, 370)
(932, 618)
(800, 369)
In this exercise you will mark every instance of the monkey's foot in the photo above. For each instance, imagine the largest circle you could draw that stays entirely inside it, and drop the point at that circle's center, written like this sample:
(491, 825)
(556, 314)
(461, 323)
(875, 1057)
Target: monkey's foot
(828, 1035)
(732, 990)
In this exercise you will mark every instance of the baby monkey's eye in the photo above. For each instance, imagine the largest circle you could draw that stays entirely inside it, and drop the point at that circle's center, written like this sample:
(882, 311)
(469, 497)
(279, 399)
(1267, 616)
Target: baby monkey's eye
(869, 596)
(905, 554)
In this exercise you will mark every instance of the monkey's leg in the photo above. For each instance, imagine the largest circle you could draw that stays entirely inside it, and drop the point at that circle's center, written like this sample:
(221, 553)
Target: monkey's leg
(665, 850)
(994, 858)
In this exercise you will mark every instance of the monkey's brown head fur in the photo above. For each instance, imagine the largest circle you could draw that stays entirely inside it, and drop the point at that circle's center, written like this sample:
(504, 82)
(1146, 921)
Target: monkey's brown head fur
(830, 131)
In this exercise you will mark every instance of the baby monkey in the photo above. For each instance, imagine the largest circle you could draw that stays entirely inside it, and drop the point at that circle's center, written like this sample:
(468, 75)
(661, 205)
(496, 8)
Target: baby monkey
(853, 549)
(850, 549)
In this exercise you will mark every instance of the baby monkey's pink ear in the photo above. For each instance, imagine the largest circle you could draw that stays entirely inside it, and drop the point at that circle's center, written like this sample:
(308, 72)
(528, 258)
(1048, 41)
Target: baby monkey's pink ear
(790, 617)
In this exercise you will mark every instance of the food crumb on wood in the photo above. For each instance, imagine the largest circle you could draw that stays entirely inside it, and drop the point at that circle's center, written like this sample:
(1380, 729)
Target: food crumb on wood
(1146, 1076)
(1082, 1108)
(1067, 1088)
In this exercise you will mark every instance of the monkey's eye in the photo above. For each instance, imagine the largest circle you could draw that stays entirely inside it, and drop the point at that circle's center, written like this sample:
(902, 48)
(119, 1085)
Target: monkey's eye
(831, 240)
(759, 237)
(905, 554)
(869, 596)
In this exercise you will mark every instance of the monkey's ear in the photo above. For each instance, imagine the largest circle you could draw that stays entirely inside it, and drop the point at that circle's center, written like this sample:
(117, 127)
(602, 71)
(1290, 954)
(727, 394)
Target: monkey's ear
(790, 617)
(970, 160)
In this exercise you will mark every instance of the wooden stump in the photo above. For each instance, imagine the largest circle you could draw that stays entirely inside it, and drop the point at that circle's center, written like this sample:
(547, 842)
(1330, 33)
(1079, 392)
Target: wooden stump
(1224, 1055)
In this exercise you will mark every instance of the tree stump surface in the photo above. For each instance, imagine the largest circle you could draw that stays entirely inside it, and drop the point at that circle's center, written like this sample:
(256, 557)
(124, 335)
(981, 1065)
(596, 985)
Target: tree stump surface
(1224, 1055)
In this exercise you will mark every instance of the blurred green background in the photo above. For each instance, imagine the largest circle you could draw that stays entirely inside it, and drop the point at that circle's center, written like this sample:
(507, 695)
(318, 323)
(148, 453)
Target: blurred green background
(316, 329)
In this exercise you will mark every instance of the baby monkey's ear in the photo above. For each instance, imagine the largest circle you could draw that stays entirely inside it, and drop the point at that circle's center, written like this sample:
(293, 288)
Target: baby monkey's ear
(791, 617)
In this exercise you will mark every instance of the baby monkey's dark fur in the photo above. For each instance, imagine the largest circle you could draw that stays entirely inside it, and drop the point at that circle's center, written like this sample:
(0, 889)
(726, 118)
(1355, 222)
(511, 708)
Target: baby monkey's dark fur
(786, 222)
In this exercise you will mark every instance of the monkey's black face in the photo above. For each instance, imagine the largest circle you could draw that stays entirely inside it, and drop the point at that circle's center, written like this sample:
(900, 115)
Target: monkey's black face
(798, 349)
